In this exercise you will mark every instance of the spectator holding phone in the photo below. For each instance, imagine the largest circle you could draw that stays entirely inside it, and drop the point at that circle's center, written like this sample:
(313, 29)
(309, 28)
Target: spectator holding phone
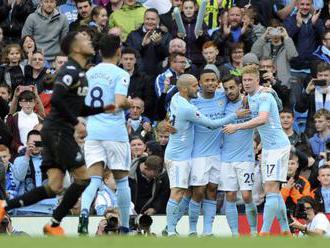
(276, 44)
(316, 96)
(22, 122)
(27, 170)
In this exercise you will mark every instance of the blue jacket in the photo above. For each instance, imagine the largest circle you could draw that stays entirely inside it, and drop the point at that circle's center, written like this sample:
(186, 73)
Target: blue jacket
(318, 144)
(22, 172)
(305, 39)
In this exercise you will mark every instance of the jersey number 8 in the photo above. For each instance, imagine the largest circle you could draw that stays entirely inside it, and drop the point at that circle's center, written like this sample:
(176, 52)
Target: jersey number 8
(96, 96)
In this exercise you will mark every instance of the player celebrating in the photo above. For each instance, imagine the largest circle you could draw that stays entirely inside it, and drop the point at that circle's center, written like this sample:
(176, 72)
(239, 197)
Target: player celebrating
(237, 161)
(275, 147)
(178, 151)
(60, 150)
(205, 164)
(107, 140)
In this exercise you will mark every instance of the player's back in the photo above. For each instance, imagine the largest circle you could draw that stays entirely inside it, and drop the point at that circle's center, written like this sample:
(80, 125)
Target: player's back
(206, 140)
(180, 143)
(271, 133)
(237, 147)
(105, 81)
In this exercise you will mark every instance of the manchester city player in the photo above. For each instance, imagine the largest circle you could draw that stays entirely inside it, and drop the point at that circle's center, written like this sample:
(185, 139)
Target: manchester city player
(107, 140)
(179, 149)
(275, 147)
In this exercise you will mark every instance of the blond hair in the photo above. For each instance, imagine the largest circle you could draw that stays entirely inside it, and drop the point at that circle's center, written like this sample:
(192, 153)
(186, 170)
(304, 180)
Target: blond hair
(251, 69)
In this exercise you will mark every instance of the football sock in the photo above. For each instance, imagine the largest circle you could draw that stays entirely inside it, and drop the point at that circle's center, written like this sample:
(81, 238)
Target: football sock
(270, 211)
(171, 214)
(194, 211)
(90, 192)
(209, 212)
(252, 215)
(124, 200)
(232, 217)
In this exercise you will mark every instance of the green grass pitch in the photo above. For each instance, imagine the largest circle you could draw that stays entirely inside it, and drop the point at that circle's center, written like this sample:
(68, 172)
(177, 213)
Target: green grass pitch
(152, 242)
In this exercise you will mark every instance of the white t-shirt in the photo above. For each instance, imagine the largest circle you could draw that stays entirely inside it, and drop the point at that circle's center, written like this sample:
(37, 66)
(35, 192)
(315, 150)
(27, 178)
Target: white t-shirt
(320, 221)
(26, 122)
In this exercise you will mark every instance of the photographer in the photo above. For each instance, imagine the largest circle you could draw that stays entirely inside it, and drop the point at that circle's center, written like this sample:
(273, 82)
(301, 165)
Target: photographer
(317, 223)
(316, 96)
(149, 185)
(110, 224)
(6, 228)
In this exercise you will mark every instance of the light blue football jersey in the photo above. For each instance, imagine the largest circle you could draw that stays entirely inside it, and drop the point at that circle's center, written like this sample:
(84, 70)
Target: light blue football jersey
(183, 116)
(104, 82)
(207, 141)
(237, 147)
(271, 133)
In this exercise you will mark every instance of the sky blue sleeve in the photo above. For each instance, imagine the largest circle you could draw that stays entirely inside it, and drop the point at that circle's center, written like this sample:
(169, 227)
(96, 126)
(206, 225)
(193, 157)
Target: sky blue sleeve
(197, 117)
(264, 102)
(122, 84)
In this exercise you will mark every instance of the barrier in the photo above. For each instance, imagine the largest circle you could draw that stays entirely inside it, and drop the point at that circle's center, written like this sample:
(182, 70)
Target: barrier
(33, 225)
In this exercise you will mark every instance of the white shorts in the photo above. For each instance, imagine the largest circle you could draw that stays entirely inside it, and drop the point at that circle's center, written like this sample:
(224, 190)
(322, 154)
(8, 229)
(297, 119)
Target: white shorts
(274, 164)
(178, 173)
(116, 155)
(205, 170)
(237, 176)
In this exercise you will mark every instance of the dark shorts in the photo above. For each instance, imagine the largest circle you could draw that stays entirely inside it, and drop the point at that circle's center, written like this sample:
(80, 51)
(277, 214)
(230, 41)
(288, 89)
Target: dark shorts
(60, 150)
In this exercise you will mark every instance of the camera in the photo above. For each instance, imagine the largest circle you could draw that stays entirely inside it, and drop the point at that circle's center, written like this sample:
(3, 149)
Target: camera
(38, 143)
(320, 82)
(262, 73)
(112, 225)
(300, 212)
(3, 225)
(141, 224)
(275, 32)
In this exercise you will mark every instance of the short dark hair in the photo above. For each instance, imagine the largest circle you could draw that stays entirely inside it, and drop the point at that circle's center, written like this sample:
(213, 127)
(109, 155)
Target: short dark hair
(152, 10)
(287, 110)
(322, 66)
(4, 85)
(129, 50)
(308, 199)
(325, 166)
(109, 44)
(154, 162)
(33, 132)
(229, 77)
(26, 95)
(204, 71)
(67, 41)
(173, 56)
(81, 1)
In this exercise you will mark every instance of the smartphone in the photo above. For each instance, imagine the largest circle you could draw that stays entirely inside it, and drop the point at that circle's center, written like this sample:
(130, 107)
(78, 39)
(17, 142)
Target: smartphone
(320, 82)
(38, 143)
(262, 73)
(327, 154)
(24, 88)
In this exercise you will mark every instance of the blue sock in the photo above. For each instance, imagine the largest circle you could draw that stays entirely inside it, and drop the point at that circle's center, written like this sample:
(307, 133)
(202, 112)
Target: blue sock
(232, 217)
(123, 200)
(194, 211)
(252, 215)
(282, 215)
(172, 208)
(270, 211)
(209, 212)
(182, 208)
(90, 193)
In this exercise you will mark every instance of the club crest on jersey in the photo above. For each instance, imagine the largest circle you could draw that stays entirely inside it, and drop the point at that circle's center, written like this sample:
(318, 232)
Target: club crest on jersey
(221, 103)
(67, 79)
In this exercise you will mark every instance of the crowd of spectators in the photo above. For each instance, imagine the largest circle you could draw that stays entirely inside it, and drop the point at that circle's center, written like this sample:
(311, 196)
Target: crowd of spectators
(288, 39)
